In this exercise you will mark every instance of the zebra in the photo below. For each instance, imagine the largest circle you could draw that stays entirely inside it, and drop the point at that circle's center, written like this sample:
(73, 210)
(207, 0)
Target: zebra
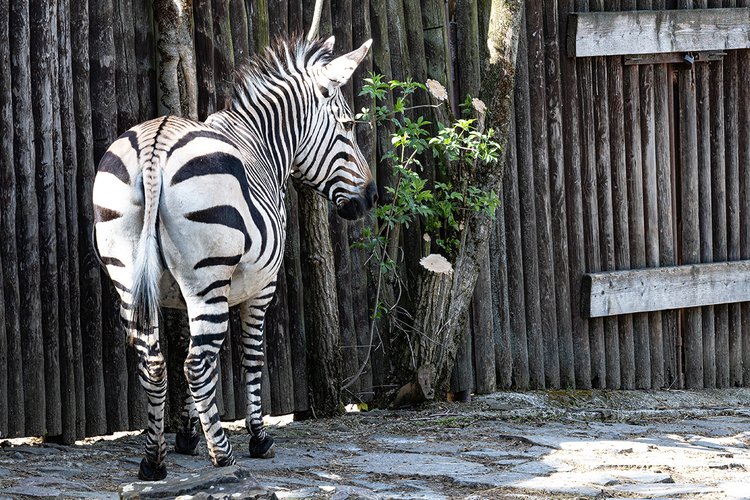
(191, 215)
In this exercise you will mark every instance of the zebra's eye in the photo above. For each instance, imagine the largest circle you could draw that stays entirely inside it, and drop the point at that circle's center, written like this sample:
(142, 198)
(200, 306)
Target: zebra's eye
(348, 125)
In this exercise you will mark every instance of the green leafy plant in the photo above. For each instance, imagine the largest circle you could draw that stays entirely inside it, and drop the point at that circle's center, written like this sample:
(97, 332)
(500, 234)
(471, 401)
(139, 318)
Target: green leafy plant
(444, 207)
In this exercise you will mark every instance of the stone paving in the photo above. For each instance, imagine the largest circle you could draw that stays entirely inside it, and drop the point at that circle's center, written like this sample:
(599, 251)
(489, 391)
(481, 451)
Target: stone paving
(556, 444)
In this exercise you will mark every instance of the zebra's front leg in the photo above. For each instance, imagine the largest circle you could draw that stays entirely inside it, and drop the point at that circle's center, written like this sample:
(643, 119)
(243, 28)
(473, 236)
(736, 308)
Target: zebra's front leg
(208, 327)
(187, 438)
(253, 312)
(153, 376)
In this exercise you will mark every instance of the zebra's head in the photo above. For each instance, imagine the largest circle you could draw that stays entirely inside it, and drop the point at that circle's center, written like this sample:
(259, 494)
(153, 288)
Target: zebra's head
(328, 158)
(291, 98)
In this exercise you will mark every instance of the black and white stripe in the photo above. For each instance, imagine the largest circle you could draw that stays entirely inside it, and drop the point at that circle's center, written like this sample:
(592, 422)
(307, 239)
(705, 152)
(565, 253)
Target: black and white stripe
(191, 215)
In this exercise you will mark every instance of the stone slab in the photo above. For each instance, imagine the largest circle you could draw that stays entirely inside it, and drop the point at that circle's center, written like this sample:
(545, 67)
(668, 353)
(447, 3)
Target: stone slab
(32, 492)
(666, 489)
(222, 483)
(553, 485)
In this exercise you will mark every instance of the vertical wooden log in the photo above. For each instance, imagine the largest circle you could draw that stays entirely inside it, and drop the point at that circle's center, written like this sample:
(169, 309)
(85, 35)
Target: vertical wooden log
(14, 397)
(67, 229)
(462, 375)
(502, 334)
(651, 216)
(435, 40)
(104, 121)
(94, 422)
(634, 166)
(321, 314)
(295, 302)
(235, 331)
(381, 64)
(224, 80)
(238, 25)
(176, 89)
(144, 57)
(257, 20)
(588, 169)
(362, 31)
(731, 95)
(223, 53)
(537, 96)
(484, 343)
(663, 113)
(620, 210)
(279, 354)
(6, 176)
(145, 77)
(742, 104)
(204, 58)
(277, 18)
(574, 196)
(703, 114)
(691, 244)
(718, 194)
(528, 216)
(125, 69)
(558, 199)
(28, 221)
(607, 375)
(43, 20)
(3, 360)
(516, 294)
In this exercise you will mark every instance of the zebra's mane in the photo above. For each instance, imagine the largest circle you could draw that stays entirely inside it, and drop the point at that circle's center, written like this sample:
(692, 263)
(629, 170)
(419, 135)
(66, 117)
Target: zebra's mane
(284, 57)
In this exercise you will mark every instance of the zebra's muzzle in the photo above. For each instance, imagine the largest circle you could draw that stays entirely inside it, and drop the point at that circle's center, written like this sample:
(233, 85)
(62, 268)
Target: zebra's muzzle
(357, 207)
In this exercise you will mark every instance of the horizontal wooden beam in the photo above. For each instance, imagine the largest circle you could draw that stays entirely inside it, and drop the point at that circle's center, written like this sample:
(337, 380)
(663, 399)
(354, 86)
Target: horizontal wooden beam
(642, 290)
(657, 31)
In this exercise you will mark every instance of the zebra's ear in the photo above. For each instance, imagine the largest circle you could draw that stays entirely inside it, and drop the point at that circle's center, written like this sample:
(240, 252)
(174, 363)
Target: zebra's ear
(328, 44)
(340, 70)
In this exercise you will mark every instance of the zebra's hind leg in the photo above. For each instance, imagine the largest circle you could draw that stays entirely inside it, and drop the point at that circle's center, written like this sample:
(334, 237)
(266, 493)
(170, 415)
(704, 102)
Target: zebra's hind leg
(153, 376)
(253, 312)
(187, 438)
(209, 322)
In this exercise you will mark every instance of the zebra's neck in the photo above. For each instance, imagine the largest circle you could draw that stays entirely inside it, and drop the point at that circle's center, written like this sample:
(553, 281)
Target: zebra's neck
(267, 139)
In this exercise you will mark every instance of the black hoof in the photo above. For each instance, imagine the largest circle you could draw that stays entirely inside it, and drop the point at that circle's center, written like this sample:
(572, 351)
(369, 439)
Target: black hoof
(262, 449)
(149, 473)
(226, 461)
(187, 445)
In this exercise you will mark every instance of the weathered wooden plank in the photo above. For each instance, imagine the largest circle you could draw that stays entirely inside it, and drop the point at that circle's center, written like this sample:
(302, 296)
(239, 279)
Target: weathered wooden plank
(204, 57)
(643, 290)
(484, 343)
(659, 31)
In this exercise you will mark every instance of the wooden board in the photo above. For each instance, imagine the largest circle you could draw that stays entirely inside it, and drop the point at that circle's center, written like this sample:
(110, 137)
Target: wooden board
(642, 290)
(657, 32)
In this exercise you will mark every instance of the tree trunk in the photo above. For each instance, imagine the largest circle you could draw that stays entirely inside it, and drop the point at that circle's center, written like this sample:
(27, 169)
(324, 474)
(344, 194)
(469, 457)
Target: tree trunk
(443, 296)
(321, 309)
(176, 87)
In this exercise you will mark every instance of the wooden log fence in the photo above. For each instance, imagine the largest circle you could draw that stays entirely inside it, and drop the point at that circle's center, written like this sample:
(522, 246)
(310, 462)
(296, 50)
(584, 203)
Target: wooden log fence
(620, 252)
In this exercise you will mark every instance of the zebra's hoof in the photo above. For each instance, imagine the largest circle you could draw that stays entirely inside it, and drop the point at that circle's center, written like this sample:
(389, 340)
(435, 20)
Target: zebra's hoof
(262, 449)
(224, 462)
(187, 445)
(148, 473)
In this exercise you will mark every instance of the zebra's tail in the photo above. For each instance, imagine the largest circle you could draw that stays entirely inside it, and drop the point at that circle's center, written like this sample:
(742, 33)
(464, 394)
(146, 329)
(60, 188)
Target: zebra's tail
(147, 268)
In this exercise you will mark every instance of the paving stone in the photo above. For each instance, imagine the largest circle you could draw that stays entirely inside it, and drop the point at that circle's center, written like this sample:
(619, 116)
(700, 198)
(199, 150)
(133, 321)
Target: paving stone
(48, 480)
(93, 495)
(221, 483)
(735, 489)
(542, 467)
(407, 464)
(287, 459)
(32, 492)
(643, 476)
(553, 485)
(66, 472)
(664, 489)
